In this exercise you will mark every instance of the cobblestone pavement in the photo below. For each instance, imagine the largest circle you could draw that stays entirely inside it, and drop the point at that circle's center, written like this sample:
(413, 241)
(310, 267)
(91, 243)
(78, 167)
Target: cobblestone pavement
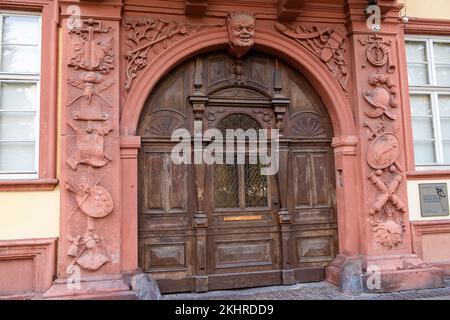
(311, 291)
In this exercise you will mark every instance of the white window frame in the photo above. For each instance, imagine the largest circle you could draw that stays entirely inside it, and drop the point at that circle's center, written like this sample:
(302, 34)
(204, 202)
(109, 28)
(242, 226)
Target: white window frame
(434, 91)
(23, 78)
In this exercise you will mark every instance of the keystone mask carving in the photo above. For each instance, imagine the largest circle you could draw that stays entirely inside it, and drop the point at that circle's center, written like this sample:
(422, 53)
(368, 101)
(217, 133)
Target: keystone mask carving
(241, 32)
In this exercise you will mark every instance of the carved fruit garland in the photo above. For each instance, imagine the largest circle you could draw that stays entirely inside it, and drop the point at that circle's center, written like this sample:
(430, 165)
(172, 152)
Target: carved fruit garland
(92, 60)
(386, 210)
(152, 35)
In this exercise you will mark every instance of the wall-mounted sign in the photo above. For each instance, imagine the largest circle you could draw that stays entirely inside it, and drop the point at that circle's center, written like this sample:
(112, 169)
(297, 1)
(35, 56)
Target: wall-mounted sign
(433, 199)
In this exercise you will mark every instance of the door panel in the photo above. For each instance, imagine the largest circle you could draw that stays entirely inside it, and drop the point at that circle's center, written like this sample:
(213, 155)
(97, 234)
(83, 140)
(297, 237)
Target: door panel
(243, 237)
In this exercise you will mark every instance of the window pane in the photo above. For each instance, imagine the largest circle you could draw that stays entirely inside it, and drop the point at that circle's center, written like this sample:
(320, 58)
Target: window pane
(443, 75)
(17, 156)
(20, 59)
(424, 152)
(444, 105)
(418, 74)
(255, 186)
(442, 52)
(423, 128)
(420, 105)
(416, 51)
(21, 30)
(17, 126)
(15, 95)
(445, 128)
(446, 145)
(226, 186)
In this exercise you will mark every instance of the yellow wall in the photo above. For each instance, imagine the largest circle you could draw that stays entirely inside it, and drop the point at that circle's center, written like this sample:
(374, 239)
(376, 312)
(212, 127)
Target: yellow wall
(432, 9)
(25, 215)
(414, 200)
(34, 214)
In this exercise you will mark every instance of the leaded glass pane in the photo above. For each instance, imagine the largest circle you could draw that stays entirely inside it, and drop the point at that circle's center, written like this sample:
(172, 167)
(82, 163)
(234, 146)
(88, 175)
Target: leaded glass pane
(255, 185)
(226, 186)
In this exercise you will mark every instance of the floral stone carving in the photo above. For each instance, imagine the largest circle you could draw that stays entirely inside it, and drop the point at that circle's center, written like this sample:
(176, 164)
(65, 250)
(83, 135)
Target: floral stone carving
(152, 35)
(241, 31)
(325, 43)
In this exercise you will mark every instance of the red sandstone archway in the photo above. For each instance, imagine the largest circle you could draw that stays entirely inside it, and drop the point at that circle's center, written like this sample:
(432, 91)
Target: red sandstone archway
(296, 55)
(337, 104)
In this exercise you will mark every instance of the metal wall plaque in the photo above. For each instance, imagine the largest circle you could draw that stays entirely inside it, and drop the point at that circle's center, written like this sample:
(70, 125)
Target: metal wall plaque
(433, 199)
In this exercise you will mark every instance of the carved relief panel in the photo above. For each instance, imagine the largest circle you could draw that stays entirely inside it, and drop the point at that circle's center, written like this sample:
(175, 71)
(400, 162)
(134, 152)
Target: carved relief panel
(326, 43)
(147, 37)
(90, 135)
(382, 123)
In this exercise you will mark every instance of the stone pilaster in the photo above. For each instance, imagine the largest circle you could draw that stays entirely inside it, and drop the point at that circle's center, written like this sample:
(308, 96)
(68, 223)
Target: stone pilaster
(385, 231)
(89, 248)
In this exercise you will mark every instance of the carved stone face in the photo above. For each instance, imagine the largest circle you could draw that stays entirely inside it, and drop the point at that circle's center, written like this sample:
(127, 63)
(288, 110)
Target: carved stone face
(241, 30)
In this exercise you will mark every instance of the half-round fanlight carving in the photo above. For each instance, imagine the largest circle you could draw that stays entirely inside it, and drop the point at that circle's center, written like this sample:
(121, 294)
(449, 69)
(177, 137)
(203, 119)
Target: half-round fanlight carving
(308, 127)
(162, 125)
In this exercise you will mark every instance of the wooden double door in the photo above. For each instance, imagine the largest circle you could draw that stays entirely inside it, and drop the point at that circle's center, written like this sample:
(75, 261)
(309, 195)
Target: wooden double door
(209, 226)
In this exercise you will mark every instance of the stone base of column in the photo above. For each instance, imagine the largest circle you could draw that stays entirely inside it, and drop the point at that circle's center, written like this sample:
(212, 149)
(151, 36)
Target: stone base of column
(383, 274)
(95, 288)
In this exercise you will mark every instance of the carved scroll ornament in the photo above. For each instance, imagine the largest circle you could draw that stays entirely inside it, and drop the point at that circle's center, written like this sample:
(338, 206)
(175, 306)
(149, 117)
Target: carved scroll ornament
(325, 43)
(148, 35)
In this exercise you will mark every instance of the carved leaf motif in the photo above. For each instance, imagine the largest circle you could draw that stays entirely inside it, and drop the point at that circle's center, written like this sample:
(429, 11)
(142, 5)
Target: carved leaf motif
(308, 127)
(148, 34)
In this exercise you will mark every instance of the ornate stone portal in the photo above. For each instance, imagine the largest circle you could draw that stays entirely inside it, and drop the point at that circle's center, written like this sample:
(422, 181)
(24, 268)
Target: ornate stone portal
(98, 215)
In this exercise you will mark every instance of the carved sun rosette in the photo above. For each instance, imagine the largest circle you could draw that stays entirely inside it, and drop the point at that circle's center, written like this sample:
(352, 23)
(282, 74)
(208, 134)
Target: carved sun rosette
(147, 36)
(326, 43)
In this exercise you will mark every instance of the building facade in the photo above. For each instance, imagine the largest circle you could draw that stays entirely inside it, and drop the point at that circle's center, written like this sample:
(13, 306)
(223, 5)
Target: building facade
(92, 92)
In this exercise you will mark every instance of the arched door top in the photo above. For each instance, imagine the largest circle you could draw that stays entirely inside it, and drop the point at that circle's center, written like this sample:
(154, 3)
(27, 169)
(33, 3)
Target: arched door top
(294, 54)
